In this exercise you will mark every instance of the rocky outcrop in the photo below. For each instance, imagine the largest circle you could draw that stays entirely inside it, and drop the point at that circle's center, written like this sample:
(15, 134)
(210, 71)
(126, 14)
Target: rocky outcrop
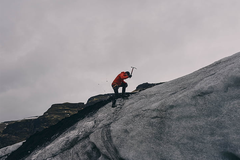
(146, 85)
(103, 97)
(98, 98)
(57, 111)
(16, 131)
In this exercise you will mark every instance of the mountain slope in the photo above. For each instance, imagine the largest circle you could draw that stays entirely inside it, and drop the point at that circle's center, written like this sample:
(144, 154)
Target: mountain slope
(193, 117)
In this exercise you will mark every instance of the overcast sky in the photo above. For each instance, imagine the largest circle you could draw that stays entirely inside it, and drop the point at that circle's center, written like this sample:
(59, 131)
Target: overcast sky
(56, 51)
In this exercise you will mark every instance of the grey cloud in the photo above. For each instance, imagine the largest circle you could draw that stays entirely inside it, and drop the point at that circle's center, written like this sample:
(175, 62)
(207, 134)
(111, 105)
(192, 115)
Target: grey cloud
(56, 51)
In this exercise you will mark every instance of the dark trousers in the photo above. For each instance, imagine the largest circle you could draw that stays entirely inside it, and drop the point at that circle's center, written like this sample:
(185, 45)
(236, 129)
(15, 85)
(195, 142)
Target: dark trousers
(116, 87)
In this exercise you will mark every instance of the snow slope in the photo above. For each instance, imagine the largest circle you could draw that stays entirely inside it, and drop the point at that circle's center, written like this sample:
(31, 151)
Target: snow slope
(4, 152)
(193, 117)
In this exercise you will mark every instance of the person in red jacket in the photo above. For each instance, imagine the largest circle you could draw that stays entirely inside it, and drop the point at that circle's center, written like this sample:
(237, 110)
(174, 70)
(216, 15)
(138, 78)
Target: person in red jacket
(119, 82)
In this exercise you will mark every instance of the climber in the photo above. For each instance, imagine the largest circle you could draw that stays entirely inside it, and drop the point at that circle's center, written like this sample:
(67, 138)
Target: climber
(119, 82)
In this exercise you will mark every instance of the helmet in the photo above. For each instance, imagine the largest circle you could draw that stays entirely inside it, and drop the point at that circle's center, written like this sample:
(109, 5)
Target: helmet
(127, 73)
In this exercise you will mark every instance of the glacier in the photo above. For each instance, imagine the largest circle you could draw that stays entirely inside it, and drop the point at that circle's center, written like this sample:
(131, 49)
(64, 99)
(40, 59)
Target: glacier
(4, 152)
(195, 117)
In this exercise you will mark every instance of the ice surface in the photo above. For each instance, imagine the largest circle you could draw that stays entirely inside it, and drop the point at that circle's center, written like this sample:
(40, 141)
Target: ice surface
(193, 117)
(7, 150)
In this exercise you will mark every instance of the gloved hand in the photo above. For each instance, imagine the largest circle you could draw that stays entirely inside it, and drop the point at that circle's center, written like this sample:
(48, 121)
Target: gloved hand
(130, 76)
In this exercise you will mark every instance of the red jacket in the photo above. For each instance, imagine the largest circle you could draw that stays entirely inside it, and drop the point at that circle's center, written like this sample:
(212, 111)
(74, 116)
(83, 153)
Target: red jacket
(120, 79)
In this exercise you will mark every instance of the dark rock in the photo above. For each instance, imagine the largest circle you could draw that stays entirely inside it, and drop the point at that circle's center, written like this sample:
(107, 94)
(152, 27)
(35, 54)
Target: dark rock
(98, 98)
(2, 126)
(16, 131)
(146, 85)
(103, 97)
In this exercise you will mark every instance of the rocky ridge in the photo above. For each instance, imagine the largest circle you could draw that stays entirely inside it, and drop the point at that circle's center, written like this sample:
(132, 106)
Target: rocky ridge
(12, 132)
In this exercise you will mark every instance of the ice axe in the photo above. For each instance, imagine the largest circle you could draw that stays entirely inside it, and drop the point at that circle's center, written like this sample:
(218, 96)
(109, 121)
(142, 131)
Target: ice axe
(133, 69)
